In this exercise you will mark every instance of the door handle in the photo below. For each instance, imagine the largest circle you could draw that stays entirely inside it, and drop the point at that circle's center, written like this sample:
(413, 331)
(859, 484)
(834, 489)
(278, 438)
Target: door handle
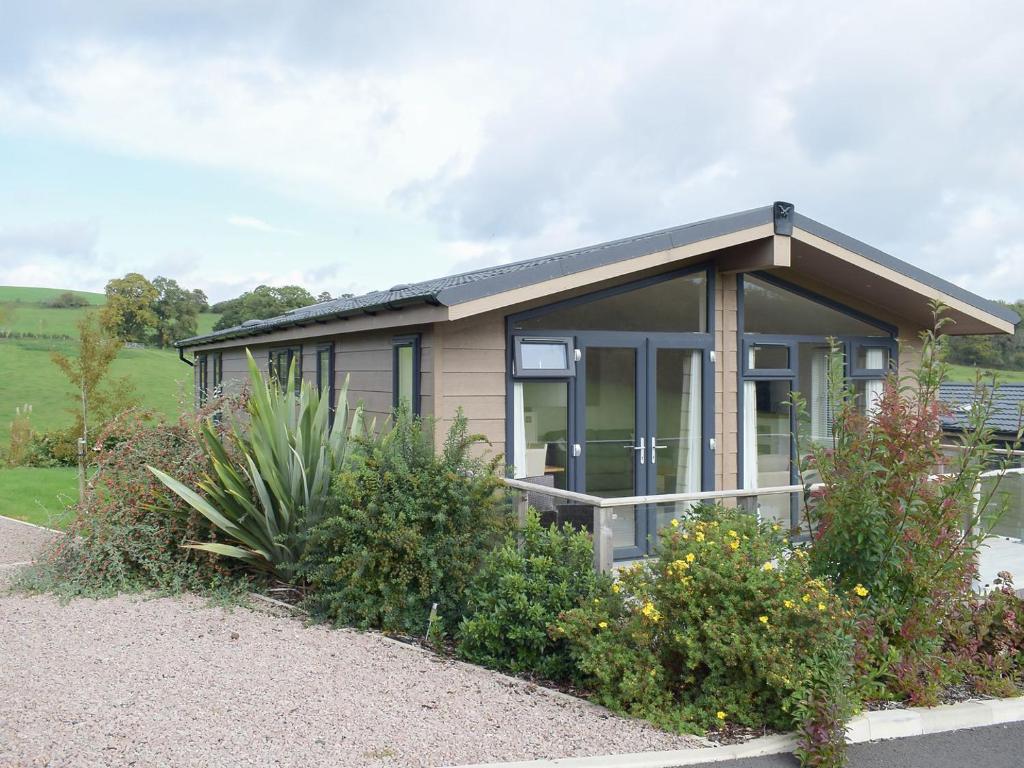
(642, 448)
(655, 448)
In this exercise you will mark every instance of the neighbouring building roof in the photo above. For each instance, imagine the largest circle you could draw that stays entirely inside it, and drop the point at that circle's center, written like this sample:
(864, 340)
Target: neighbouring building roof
(1006, 415)
(457, 289)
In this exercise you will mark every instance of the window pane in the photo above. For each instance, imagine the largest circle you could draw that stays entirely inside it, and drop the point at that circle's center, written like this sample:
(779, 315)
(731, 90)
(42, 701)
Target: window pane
(540, 432)
(768, 308)
(405, 374)
(324, 368)
(671, 305)
(868, 392)
(611, 432)
(873, 358)
(769, 357)
(813, 385)
(767, 441)
(544, 356)
(677, 456)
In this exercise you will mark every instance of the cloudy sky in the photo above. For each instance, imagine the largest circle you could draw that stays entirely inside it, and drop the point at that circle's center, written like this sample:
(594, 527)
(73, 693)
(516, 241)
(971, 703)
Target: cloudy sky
(348, 147)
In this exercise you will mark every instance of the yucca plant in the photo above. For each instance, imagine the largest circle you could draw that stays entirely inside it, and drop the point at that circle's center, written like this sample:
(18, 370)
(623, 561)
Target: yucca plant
(271, 471)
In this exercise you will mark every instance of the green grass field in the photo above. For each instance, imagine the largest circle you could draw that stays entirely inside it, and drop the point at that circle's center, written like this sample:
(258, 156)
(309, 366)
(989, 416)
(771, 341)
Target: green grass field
(37, 295)
(162, 382)
(967, 373)
(38, 496)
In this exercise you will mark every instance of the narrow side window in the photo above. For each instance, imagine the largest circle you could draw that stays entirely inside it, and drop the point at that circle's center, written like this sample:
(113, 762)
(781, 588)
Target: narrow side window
(406, 372)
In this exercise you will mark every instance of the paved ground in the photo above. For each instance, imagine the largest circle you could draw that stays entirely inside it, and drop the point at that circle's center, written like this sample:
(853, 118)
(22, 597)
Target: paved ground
(998, 746)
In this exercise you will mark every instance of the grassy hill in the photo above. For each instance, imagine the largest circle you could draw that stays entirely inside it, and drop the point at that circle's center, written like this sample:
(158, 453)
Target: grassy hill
(161, 380)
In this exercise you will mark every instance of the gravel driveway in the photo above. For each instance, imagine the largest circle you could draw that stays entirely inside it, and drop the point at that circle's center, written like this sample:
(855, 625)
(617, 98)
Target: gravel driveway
(175, 682)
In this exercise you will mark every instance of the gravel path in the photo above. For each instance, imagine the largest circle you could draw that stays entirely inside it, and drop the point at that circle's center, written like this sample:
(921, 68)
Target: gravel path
(174, 682)
(19, 542)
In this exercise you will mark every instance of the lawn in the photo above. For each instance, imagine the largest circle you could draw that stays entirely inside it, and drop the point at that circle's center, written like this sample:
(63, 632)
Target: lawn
(160, 378)
(37, 495)
(967, 373)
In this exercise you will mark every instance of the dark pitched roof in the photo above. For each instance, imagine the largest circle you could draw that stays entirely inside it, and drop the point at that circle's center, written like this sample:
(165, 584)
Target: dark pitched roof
(467, 286)
(1007, 400)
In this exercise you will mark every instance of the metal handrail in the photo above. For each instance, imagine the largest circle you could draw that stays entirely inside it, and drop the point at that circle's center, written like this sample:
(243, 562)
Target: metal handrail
(606, 502)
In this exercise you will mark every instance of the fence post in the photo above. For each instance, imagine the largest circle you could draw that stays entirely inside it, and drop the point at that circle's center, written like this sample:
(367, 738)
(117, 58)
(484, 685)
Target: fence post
(522, 504)
(604, 540)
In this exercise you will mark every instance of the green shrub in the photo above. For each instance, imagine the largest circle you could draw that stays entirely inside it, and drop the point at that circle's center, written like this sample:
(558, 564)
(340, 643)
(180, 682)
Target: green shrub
(724, 625)
(521, 589)
(271, 472)
(128, 533)
(409, 530)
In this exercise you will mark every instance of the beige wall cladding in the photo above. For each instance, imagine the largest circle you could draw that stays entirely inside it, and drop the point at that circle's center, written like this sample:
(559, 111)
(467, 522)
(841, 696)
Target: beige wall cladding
(726, 382)
(364, 357)
(471, 376)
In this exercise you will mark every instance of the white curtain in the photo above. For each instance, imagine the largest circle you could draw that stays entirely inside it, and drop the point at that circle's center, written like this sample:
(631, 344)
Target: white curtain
(873, 387)
(688, 460)
(518, 430)
(819, 405)
(750, 430)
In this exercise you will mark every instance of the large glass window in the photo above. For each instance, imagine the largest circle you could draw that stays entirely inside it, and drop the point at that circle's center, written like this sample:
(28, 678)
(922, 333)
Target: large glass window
(676, 446)
(540, 417)
(674, 305)
(787, 339)
(771, 309)
(202, 381)
(406, 385)
(325, 375)
(218, 372)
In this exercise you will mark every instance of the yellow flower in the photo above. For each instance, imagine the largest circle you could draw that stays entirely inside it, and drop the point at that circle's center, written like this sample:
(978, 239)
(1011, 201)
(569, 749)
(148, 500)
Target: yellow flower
(699, 535)
(734, 544)
(653, 673)
(775, 527)
(686, 535)
(674, 522)
(651, 612)
(690, 557)
(603, 625)
(734, 534)
(821, 606)
(806, 598)
(720, 715)
(763, 620)
(789, 603)
(616, 588)
(769, 566)
(861, 590)
(596, 601)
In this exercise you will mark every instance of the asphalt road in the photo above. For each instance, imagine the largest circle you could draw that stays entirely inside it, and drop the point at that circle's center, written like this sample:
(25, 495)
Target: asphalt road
(997, 746)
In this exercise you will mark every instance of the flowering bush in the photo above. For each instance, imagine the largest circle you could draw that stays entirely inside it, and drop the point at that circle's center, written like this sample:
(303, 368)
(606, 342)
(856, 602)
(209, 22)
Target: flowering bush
(725, 625)
(129, 531)
(522, 587)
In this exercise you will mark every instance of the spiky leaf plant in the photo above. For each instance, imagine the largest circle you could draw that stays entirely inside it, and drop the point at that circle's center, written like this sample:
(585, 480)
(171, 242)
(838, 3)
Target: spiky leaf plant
(271, 471)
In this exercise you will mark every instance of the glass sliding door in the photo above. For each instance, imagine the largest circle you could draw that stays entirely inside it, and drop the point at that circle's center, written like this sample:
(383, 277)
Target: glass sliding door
(611, 446)
(767, 444)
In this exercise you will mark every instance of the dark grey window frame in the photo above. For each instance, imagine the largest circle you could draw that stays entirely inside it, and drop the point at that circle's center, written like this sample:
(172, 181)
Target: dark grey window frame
(398, 342)
(218, 371)
(647, 344)
(202, 377)
(294, 353)
(329, 349)
(520, 371)
(850, 344)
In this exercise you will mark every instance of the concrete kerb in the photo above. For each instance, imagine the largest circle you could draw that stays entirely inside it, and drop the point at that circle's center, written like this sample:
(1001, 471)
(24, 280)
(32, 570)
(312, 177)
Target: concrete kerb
(31, 525)
(869, 726)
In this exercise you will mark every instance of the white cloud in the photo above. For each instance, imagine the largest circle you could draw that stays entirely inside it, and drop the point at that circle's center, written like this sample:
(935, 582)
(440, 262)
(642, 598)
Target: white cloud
(251, 222)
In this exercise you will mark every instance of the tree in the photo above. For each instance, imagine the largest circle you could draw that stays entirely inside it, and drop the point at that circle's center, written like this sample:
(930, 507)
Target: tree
(200, 299)
(1001, 352)
(129, 313)
(262, 302)
(97, 396)
(67, 299)
(322, 297)
(175, 309)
